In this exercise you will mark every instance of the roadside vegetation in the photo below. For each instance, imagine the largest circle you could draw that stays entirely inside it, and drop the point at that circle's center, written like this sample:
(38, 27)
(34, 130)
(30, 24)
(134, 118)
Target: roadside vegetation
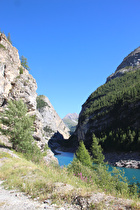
(30, 174)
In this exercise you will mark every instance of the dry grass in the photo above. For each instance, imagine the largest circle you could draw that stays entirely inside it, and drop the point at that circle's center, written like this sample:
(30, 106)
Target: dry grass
(46, 182)
(39, 180)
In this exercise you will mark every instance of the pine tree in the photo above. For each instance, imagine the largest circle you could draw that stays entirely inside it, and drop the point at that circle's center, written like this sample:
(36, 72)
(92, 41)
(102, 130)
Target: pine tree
(17, 124)
(96, 151)
(9, 38)
(24, 62)
(83, 155)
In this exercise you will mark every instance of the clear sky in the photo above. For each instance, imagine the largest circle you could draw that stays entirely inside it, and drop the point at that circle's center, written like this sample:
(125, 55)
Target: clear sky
(72, 46)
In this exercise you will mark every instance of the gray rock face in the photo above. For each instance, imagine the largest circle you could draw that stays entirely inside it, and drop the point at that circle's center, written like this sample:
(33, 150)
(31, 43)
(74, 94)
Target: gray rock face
(130, 63)
(9, 66)
(53, 125)
(16, 85)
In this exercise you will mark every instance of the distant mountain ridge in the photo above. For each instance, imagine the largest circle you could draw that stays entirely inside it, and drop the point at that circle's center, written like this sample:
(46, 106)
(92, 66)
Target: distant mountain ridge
(71, 121)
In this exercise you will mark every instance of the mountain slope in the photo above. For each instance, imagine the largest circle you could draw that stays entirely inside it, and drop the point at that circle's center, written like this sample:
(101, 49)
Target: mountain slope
(112, 112)
(71, 121)
(53, 125)
(16, 83)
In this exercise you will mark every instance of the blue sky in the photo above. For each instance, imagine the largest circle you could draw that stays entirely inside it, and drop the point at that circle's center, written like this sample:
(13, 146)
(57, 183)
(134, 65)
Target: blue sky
(72, 46)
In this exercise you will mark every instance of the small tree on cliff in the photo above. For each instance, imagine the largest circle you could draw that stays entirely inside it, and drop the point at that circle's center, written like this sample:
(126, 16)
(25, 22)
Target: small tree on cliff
(96, 151)
(9, 38)
(82, 155)
(18, 126)
(24, 62)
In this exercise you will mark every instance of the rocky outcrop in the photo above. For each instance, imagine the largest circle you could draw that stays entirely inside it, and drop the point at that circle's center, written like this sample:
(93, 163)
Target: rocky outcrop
(130, 63)
(123, 159)
(9, 67)
(16, 83)
(53, 125)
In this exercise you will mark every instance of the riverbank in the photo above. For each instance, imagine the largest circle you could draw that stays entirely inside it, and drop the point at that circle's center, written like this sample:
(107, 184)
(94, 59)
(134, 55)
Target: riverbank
(39, 187)
(123, 159)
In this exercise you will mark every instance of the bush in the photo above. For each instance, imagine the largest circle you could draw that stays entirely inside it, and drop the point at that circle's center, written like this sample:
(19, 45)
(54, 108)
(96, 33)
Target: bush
(40, 102)
(21, 70)
(98, 175)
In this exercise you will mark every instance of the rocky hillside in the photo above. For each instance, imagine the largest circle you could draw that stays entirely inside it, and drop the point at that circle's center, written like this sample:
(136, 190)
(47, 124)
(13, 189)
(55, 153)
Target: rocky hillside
(71, 121)
(112, 111)
(53, 125)
(129, 63)
(16, 83)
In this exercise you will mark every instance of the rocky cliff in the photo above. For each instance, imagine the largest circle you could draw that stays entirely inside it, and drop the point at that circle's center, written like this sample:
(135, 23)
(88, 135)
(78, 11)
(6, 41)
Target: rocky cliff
(16, 83)
(112, 111)
(53, 125)
(129, 63)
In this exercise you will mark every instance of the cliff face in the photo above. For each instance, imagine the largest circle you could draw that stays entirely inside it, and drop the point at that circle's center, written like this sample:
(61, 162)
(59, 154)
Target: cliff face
(53, 125)
(112, 111)
(16, 84)
(129, 63)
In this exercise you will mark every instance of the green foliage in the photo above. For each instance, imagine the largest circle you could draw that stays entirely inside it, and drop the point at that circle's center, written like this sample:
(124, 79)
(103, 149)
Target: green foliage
(96, 151)
(47, 129)
(18, 126)
(21, 70)
(116, 106)
(9, 38)
(121, 139)
(110, 182)
(82, 155)
(40, 102)
(2, 46)
(125, 88)
(24, 62)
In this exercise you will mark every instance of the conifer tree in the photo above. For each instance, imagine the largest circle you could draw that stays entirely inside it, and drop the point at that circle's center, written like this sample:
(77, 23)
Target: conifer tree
(18, 126)
(24, 62)
(96, 151)
(83, 155)
(9, 38)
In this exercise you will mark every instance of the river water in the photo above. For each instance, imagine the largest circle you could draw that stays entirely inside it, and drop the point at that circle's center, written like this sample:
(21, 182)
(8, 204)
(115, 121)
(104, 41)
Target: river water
(66, 158)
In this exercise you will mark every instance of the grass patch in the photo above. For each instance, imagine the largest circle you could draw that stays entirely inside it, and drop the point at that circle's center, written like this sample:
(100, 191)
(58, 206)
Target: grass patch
(2, 46)
(39, 180)
(53, 182)
(4, 155)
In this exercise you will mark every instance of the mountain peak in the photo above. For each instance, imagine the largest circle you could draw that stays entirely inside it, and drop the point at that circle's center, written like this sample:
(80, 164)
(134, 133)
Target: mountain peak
(71, 121)
(130, 63)
(72, 116)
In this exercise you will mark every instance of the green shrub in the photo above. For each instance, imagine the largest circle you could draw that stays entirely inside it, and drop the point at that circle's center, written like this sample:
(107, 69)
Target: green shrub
(98, 175)
(40, 102)
(47, 129)
(2, 46)
(21, 70)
